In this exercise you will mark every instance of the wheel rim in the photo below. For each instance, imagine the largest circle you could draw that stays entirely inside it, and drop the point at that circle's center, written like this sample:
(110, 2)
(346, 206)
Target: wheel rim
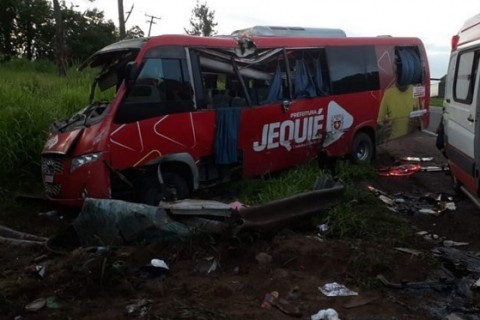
(362, 152)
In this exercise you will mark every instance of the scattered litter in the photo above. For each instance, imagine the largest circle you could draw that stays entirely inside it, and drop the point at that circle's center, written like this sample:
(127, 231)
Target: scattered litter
(325, 314)
(52, 303)
(322, 228)
(236, 205)
(429, 211)
(40, 270)
(399, 171)
(272, 299)
(418, 159)
(476, 284)
(140, 308)
(461, 259)
(335, 289)
(52, 214)
(407, 169)
(268, 299)
(159, 264)
(410, 251)
(36, 305)
(428, 203)
(156, 268)
(207, 265)
(451, 243)
(263, 258)
(430, 236)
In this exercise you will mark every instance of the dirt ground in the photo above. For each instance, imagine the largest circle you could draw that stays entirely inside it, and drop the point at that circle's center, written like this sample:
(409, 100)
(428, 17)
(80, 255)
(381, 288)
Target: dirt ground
(118, 283)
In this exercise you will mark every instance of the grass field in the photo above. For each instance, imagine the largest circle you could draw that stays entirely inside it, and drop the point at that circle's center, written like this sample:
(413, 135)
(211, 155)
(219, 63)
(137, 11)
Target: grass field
(31, 97)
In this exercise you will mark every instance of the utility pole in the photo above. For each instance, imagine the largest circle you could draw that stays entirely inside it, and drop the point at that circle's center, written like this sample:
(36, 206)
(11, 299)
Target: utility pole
(121, 19)
(151, 22)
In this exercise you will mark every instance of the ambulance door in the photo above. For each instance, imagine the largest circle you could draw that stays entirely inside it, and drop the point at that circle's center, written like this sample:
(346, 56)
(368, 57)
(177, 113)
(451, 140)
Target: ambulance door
(461, 113)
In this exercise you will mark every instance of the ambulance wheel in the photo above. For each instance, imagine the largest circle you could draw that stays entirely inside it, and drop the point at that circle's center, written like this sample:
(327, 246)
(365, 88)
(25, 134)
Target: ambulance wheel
(174, 188)
(362, 149)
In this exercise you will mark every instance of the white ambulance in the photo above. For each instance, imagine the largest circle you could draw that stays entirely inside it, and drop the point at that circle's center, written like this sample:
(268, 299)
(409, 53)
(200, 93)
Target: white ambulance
(461, 118)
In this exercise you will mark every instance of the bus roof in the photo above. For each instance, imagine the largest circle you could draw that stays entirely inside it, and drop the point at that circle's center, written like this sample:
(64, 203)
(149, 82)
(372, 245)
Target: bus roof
(273, 31)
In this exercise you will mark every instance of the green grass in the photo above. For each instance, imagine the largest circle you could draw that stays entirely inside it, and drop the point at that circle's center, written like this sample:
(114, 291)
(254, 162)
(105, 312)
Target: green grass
(436, 101)
(358, 215)
(31, 97)
(278, 186)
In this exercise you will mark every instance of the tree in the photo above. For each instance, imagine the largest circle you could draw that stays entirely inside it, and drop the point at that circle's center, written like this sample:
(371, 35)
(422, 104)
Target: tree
(59, 40)
(32, 16)
(7, 18)
(202, 21)
(135, 32)
(86, 33)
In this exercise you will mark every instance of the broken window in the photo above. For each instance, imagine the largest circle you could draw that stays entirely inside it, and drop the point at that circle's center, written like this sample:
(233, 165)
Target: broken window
(162, 87)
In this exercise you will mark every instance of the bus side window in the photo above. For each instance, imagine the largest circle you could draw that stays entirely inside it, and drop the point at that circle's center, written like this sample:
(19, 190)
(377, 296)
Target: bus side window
(352, 69)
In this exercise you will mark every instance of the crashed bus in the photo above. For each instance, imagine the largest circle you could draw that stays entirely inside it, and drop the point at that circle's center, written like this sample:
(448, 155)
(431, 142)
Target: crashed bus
(190, 111)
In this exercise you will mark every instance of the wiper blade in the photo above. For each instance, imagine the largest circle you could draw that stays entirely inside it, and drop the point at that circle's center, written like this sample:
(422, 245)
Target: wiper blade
(72, 120)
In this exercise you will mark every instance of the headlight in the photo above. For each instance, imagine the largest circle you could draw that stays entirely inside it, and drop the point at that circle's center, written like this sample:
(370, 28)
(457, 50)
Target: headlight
(86, 158)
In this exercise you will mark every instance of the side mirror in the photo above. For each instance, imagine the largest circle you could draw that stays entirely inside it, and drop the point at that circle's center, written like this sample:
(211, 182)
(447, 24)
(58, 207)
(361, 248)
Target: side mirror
(131, 72)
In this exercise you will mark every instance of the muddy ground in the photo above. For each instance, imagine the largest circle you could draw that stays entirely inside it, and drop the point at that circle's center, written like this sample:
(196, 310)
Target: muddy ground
(114, 283)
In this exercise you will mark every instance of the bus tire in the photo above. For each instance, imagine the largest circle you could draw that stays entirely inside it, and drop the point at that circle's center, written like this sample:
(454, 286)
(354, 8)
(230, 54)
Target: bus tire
(175, 187)
(362, 149)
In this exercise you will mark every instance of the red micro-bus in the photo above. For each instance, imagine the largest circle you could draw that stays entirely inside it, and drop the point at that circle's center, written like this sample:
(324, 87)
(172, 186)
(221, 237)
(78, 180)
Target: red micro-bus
(188, 111)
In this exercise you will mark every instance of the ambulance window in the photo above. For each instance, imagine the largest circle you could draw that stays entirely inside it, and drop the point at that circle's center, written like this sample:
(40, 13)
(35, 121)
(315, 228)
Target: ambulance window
(352, 69)
(465, 75)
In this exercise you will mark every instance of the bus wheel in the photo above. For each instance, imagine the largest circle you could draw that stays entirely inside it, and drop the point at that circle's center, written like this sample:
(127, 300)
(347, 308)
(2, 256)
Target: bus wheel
(362, 149)
(174, 188)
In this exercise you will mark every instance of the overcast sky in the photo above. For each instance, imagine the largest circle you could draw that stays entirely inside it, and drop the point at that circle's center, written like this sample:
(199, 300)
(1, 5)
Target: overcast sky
(433, 21)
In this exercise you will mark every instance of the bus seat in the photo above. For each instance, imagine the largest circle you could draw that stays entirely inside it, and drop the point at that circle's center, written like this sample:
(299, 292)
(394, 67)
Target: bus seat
(304, 86)
(238, 102)
(275, 88)
(221, 100)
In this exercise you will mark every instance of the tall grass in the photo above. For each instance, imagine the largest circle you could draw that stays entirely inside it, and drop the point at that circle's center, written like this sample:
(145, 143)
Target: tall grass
(31, 97)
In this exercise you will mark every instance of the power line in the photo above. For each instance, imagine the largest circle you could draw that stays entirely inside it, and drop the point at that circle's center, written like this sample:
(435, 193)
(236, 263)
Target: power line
(151, 22)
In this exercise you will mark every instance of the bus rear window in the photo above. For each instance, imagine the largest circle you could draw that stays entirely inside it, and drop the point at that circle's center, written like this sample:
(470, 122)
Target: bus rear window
(352, 69)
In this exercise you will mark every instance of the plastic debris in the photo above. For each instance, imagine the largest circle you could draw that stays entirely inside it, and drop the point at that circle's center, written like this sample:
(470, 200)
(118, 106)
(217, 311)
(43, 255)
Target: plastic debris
(418, 159)
(236, 205)
(432, 204)
(139, 308)
(36, 305)
(156, 268)
(159, 264)
(322, 228)
(399, 171)
(52, 303)
(410, 251)
(263, 258)
(272, 299)
(476, 284)
(451, 243)
(40, 270)
(207, 265)
(268, 299)
(325, 314)
(335, 289)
